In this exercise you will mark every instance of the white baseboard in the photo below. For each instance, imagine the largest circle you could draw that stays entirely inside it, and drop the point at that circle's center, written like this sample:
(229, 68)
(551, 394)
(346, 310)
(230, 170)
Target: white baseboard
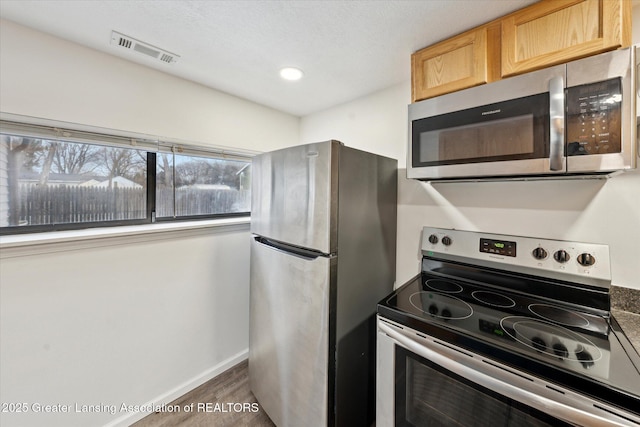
(178, 391)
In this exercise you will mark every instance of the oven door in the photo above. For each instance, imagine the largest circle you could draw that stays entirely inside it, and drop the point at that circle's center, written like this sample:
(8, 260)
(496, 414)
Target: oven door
(510, 127)
(424, 382)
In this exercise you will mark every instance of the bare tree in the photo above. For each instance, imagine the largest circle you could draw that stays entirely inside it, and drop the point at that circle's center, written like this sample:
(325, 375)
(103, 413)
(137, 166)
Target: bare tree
(18, 148)
(166, 170)
(122, 162)
(208, 171)
(190, 172)
(46, 166)
(73, 158)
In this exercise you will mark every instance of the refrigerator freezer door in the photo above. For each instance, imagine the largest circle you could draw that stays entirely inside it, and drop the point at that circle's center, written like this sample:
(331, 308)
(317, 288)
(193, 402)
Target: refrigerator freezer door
(294, 193)
(289, 334)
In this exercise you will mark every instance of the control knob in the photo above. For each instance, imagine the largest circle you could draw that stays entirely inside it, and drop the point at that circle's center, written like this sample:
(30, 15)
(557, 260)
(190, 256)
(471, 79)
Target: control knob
(539, 253)
(433, 309)
(446, 240)
(586, 259)
(433, 239)
(561, 256)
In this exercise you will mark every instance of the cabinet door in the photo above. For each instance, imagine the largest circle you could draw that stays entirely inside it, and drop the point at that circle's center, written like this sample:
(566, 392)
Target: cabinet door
(456, 63)
(555, 31)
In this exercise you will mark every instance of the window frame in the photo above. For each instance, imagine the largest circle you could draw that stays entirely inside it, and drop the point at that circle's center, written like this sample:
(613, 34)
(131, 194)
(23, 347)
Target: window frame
(115, 139)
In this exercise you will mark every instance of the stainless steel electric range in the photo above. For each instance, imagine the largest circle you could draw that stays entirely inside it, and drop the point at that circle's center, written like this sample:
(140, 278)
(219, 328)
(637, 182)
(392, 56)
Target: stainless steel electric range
(505, 330)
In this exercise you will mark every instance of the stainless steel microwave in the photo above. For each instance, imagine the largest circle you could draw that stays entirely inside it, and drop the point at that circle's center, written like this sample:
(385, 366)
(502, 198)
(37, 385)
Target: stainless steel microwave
(570, 119)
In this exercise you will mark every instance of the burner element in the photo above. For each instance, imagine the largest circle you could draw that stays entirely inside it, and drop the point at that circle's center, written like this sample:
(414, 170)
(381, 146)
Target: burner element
(441, 306)
(493, 299)
(560, 350)
(559, 315)
(445, 286)
(585, 358)
(539, 344)
(537, 334)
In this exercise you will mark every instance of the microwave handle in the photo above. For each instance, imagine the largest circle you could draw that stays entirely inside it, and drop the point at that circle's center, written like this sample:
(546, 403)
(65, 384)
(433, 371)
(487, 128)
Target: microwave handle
(556, 124)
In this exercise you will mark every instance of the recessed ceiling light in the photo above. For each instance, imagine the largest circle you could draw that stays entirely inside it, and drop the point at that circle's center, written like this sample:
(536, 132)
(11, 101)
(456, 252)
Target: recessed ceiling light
(291, 73)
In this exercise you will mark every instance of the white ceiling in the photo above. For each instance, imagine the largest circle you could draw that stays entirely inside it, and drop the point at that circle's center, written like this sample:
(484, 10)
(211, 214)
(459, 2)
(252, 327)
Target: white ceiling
(347, 49)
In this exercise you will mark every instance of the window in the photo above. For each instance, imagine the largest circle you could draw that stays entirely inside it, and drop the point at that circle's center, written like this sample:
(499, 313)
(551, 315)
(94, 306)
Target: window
(189, 186)
(53, 180)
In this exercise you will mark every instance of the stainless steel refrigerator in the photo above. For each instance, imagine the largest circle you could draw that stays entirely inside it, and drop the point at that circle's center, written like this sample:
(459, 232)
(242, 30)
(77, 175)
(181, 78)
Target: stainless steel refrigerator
(323, 253)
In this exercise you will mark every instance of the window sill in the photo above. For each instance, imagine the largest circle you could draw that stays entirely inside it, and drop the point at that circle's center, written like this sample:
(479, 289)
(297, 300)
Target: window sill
(30, 244)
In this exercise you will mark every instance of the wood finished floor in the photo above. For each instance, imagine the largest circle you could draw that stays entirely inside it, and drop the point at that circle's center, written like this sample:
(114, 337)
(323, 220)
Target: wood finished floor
(232, 386)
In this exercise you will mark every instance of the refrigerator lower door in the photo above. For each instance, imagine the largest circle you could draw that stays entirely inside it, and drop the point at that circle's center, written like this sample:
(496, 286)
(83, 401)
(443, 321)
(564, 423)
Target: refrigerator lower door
(289, 334)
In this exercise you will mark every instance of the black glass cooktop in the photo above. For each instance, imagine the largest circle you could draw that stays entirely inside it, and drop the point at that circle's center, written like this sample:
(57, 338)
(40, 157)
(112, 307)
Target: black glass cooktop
(515, 320)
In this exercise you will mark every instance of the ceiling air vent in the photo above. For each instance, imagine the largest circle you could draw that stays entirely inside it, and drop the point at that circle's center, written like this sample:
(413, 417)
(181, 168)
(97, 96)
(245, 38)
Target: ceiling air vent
(130, 43)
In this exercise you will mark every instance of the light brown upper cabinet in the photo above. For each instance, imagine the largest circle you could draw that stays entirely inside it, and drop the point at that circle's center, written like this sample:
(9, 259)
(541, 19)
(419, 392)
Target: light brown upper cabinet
(466, 60)
(555, 31)
(546, 33)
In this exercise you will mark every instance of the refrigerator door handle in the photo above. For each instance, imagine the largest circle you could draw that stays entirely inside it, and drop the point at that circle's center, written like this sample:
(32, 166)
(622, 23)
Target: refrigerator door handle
(307, 254)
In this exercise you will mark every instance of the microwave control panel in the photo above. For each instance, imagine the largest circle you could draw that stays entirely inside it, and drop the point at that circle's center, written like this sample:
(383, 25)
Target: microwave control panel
(594, 118)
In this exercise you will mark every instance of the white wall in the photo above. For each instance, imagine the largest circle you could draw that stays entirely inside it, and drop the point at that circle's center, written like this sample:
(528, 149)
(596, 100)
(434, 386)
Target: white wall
(130, 320)
(123, 320)
(597, 211)
(376, 123)
(44, 76)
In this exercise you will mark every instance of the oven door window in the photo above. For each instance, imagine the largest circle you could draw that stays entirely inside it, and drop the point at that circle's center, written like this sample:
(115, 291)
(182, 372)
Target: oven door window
(511, 130)
(429, 395)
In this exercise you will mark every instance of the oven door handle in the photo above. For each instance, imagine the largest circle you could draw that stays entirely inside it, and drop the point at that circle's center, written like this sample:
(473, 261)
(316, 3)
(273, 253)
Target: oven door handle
(492, 382)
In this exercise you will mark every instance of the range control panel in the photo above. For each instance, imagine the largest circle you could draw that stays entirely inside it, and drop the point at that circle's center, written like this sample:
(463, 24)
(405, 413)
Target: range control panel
(584, 262)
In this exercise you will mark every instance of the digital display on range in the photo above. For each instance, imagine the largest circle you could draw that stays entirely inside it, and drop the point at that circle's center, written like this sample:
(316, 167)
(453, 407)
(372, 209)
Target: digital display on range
(493, 329)
(498, 247)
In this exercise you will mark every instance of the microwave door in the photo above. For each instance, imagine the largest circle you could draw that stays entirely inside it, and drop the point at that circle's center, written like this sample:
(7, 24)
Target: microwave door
(513, 127)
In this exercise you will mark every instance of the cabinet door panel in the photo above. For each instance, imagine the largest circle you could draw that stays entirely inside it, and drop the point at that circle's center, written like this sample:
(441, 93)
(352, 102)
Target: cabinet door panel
(551, 32)
(457, 63)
